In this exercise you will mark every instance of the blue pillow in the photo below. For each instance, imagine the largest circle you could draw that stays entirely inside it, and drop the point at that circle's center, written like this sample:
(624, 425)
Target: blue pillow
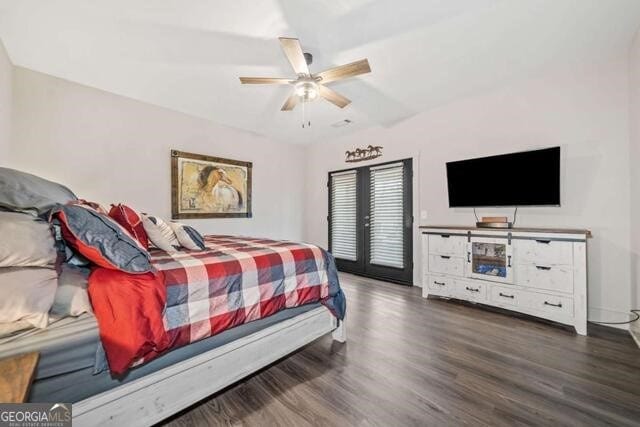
(100, 239)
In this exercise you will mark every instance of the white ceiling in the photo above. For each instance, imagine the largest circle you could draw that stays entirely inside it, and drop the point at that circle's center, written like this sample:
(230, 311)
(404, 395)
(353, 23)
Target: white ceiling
(187, 55)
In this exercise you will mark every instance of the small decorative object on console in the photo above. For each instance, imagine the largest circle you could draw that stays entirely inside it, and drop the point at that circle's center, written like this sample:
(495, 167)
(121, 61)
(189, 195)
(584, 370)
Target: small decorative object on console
(494, 222)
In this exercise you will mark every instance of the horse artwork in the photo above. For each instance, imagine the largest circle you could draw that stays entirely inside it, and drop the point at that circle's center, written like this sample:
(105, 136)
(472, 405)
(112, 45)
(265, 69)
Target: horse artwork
(209, 187)
(362, 154)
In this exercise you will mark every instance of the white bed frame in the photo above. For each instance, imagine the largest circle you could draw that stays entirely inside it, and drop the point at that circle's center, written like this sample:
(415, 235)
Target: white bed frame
(159, 395)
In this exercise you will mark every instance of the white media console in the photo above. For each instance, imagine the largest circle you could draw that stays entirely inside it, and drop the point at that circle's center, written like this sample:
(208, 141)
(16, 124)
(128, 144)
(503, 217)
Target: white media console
(540, 272)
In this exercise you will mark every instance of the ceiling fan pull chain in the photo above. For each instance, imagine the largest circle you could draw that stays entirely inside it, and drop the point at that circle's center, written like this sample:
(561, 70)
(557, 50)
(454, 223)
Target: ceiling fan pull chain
(303, 113)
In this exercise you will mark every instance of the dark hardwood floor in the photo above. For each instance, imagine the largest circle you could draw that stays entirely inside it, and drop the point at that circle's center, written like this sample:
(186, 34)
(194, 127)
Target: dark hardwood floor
(411, 361)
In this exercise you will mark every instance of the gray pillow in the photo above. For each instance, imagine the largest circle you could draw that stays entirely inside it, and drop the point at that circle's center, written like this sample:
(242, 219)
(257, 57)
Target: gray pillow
(72, 298)
(23, 192)
(26, 241)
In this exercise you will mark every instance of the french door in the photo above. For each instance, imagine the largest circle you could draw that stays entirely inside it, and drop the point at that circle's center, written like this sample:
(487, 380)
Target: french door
(371, 220)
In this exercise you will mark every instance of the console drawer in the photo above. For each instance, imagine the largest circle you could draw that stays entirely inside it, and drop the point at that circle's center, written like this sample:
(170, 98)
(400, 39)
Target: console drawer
(446, 264)
(557, 278)
(471, 291)
(439, 285)
(544, 252)
(554, 307)
(447, 244)
(504, 296)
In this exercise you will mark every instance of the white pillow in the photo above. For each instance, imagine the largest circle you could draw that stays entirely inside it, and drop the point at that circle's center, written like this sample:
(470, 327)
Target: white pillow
(160, 233)
(27, 294)
(188, 236)
(26, 241)
(72, 298)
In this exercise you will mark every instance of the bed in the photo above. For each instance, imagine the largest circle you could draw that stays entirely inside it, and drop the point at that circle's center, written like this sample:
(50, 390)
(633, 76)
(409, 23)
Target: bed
(272, 298)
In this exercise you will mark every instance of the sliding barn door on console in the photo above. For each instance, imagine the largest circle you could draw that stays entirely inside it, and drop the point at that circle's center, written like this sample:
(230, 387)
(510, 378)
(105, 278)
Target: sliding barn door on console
(370, 220)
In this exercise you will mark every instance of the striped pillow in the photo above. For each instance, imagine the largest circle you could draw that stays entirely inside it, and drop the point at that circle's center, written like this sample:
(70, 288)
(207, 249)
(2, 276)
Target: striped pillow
(160, 233)
(188, 236)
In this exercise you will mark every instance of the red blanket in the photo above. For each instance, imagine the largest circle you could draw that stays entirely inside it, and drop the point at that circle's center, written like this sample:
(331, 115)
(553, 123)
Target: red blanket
(129, 309)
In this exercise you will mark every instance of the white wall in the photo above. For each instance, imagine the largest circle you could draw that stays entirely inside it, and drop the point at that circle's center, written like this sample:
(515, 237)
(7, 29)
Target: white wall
(634, 158)
(111, 149)
(583, 108)
(6, 71)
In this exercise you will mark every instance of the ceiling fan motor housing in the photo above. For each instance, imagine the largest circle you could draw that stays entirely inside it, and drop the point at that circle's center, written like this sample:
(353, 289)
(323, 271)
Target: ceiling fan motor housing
(308, 57)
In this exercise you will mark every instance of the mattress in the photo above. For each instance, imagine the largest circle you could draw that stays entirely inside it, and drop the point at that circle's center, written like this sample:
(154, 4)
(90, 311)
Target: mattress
(73, 385)
(65, 346)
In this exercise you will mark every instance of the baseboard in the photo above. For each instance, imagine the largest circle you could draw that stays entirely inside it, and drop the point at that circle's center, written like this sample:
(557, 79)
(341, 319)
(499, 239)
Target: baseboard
(634, 330)
(599, 314)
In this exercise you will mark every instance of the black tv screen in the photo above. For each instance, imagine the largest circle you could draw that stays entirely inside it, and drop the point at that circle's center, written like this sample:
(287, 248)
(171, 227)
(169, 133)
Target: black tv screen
(530, 178)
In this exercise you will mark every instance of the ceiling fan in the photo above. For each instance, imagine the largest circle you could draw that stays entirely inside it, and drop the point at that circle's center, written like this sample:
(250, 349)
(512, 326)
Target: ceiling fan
(308, 86)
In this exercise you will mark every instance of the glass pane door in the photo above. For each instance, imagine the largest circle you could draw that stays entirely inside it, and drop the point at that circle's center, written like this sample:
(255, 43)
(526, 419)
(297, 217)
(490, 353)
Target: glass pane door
(489, 259)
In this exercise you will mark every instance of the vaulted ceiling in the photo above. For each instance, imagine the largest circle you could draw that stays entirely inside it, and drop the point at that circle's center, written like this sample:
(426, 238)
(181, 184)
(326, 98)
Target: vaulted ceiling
(187, 55)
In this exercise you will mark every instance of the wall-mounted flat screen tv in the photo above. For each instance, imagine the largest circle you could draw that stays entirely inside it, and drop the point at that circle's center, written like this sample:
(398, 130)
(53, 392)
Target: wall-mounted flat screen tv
(530, 178)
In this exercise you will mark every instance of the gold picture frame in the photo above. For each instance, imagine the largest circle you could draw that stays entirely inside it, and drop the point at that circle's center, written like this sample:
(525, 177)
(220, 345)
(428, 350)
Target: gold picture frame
(209, 187)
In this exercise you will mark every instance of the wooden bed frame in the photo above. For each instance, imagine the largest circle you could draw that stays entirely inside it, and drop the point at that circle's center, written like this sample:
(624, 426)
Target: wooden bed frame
(159, 395)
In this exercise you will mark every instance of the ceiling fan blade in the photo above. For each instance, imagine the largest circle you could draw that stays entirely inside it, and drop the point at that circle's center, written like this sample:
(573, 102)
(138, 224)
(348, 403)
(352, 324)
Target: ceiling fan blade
(345, 71)
(264, 81)
(293, 51)
(290, 103)
(333, 96)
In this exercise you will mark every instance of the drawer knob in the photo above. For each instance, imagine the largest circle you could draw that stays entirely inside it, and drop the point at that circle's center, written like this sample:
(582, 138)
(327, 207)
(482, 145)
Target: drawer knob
(542, 267)
(472, 289)
(438, 283)
(553, 305)
(506, 296)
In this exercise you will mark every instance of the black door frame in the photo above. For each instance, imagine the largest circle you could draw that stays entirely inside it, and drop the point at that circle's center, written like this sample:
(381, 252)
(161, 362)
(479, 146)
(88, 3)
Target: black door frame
(362, 267)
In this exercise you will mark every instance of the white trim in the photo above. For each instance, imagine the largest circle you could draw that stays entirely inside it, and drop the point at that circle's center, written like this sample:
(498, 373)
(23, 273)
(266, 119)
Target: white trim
(386, 166)
(344, 173)
(156, 396)
(635, 335)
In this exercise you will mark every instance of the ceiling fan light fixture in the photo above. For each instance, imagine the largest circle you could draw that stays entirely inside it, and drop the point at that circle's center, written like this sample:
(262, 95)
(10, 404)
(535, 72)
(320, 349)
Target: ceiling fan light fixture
(306, 90)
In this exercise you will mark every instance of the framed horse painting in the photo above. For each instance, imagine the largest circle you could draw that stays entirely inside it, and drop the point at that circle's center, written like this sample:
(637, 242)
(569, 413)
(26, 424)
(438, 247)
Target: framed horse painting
(209, 187)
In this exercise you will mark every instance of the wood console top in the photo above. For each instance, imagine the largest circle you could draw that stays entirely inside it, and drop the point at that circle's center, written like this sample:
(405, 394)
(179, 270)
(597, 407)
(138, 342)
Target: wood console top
(521, 229)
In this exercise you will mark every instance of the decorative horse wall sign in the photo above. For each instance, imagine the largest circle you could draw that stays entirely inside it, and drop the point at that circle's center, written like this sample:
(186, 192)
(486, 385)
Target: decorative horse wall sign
(362, 154)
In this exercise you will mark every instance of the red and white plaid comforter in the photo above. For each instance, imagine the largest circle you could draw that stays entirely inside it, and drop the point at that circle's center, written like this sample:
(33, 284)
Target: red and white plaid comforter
(194, 295)
(238, 280)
